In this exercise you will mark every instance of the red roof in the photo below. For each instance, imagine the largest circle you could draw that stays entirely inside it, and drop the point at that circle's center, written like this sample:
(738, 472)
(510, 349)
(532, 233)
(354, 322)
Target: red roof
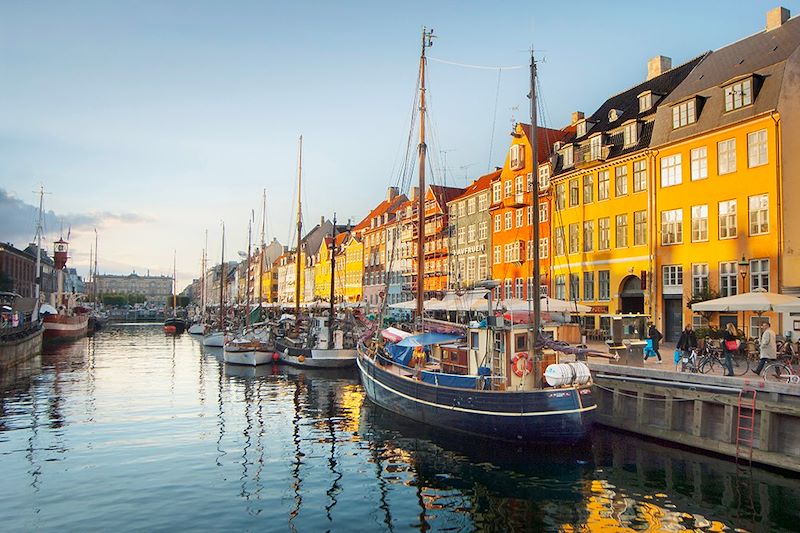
(545, 137)
(479, 184)
(444, 194)
(383, 207)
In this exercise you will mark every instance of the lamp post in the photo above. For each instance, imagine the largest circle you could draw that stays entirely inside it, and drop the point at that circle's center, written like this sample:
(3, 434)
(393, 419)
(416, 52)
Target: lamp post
(743, 264)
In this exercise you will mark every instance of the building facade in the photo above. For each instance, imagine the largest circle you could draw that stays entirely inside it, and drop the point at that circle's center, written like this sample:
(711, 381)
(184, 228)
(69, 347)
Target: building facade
(19, 270)
(153, 288)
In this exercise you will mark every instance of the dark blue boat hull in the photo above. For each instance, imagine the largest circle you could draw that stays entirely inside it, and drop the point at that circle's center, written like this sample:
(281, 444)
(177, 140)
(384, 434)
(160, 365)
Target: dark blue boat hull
(560, 415)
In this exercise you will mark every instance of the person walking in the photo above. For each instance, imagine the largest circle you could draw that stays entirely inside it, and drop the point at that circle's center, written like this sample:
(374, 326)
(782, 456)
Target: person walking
(768, 346)
(686, 341)
(655, 336)
(730, 344)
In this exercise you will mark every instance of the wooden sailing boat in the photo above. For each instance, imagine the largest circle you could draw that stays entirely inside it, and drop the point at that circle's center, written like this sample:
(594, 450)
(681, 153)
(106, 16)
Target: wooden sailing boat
(401, 378)
(217, 337)
(174, 324)
(199, 326)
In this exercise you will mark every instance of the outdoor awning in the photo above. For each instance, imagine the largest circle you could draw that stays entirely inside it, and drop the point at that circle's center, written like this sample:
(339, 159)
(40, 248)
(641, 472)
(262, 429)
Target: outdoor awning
(394, 334)
(758, 301)
(426, 339)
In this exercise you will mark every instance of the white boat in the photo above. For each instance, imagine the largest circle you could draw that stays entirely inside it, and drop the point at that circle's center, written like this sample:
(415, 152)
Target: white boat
(197, 329)
(342, 353)
(246, 352)
(216, 339)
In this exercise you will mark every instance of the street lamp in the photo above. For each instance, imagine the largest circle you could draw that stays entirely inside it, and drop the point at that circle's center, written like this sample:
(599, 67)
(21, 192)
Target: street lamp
(743, 266)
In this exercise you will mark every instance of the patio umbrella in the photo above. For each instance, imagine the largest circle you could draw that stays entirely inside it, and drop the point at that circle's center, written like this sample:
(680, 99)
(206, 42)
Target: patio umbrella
(758, 301)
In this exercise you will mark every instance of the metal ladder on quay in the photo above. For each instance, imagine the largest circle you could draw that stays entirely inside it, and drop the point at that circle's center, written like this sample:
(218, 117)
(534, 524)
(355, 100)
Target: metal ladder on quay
(745, 423)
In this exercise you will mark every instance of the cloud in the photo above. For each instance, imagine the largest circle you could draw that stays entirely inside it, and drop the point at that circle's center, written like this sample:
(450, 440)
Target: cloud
(18, 220)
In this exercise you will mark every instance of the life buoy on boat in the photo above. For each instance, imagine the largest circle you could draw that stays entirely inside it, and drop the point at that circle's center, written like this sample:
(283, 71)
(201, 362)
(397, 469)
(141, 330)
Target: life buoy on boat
(521, 369)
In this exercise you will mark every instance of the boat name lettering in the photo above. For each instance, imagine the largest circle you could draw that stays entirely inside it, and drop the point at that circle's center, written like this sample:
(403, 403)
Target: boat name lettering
(558, 395)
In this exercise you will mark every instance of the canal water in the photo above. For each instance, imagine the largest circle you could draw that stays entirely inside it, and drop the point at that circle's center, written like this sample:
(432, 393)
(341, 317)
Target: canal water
(132, 430)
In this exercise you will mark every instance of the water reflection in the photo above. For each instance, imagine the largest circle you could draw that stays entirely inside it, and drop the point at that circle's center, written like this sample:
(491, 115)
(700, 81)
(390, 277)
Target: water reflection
(139, 424)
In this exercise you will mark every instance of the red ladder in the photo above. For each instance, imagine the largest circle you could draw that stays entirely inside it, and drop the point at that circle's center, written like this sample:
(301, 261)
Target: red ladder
(746, 423)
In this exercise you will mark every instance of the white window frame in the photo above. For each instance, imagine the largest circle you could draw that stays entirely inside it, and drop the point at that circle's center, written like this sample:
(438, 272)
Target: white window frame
(758, 214)
(671, 172)
(560, 241)
(574, 192)
(672, 279)
(640, 228)
(621, 230)
(483, 230)
(588, 236)
(517, 156)
(544, 248)
(519, 184)
(639, 175)
(498, 255)
(508, 188)
(699, 163)
(726, 156)
(520, 217)
(759, 274)
(604, 233)
(699, 278)
(588, 188)
(621, 181)
(544, 211)
(509, 220)
(595, 147)
(700, 223)
(568, 156)
(727, 219)
(561, 196)
(672, 227)
(630, 134)
(498, 223)
(757, 149)
(728, 278)
(739, 95)
(561, 287)
(483, 203)
(544, 177)
(497, 192)
(574, 238)
(684, 114)
(603, 185)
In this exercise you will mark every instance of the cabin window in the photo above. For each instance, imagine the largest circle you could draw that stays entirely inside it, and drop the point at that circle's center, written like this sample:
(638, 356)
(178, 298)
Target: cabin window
(521, 342)
(474, 340)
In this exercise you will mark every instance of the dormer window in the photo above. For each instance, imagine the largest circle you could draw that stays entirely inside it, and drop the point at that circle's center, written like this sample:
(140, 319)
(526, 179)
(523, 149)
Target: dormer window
(645, 101)
(630, 133)
(557, 146)
(580, 129)
(739, 94)
(595, 146)
(517, 156)
(684, 113)
(614, 114)
(567, 155)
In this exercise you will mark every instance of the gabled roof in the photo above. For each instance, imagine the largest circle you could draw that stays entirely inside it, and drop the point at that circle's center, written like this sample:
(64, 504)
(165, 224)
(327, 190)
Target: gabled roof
(443, 194)
(545, 137)
(383, 207)
(478, 185)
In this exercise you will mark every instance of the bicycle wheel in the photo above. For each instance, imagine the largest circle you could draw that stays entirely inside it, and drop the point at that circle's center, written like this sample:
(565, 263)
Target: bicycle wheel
(777, 373)
(741, 363)
(706, 365)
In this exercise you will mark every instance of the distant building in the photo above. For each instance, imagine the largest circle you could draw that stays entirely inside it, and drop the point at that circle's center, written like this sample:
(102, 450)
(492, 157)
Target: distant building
(151, 287)
(17, 271)
(73, 282)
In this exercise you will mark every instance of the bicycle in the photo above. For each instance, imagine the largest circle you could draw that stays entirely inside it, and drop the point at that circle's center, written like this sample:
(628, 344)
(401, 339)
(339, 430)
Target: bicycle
(782, 370)
(689, 362)
(714, 357)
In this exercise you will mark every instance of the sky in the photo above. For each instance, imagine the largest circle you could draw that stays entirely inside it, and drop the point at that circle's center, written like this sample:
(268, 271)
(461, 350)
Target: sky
(154, 121)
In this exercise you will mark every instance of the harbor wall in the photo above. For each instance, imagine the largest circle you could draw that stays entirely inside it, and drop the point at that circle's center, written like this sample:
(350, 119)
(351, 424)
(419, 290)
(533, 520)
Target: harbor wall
(701, 411)
(17, 351)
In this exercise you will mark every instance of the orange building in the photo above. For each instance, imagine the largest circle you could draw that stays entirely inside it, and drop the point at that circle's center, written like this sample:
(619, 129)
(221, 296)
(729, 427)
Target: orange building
(512, 213)
(436, 239)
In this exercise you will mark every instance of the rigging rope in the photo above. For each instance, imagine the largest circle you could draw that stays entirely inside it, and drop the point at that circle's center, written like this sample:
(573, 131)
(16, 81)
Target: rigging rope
(481, 67)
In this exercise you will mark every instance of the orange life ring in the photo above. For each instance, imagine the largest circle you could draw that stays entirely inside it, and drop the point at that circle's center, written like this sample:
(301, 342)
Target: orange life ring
(525, 368)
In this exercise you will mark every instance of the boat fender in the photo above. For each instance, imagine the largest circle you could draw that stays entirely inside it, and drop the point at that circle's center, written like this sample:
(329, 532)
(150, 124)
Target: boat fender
(567, 374)
(521, 369)
(301, 358)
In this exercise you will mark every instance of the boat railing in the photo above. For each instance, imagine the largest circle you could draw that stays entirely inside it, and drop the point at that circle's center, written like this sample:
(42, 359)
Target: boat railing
(11, 333)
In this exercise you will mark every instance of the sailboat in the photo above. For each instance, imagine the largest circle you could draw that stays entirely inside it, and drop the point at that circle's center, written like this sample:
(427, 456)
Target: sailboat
(218, 336)
(502, 395)
(329, 341)
(199, 326)
(174, 324)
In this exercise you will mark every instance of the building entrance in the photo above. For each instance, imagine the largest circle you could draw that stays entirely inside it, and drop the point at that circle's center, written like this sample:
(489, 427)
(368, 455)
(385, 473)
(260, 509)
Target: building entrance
(631, 296)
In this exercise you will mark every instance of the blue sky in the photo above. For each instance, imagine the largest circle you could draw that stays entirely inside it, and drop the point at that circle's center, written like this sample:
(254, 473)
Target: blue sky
(154, 120)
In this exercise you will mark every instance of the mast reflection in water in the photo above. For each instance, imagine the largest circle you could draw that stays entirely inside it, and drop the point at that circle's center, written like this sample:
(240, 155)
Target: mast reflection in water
(133, 429)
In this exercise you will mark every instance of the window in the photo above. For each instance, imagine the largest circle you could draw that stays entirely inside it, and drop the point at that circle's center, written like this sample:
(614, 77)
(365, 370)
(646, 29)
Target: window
(728, 282)
(498, 258)
(759, 274)
(471, 233)
(509, 220)
(471, 206)
(520, 217)
(561, 287)
(574, 198)
(672, 227)
(559, 240)
(699, 223)
(580, 128)
(639, 176)
(517, 156)
(699, 157)
(755, 325)
(483, 203)
(621, 181)
(512, 252)
(683, 114)
(699, 321)
(672, 276)
(462, 209)
(574, 238)
(622, 230)
(544, 247)
(759, 214)
(639, 228)
(726, 156)
(508, 294)
(567, 156)
(507, 188)
(757, 148)
(727, 219)
(574, 287)
(588, 236)
(497, 192)
(595, 146)
(544, 211)
(588, 286)
(629, 134)
(602, 185)
(738, 95)
(561, 196)
(498, 223)
(588, 189)
(530, 289)
(519, 185)
(483, 230)
(518, 288)
(482, 267)
(645, 101)
(604, 233)
(671, 170)
(699, 278)
(544, 177)
(529, 182)
(461, 236)
(604, 285)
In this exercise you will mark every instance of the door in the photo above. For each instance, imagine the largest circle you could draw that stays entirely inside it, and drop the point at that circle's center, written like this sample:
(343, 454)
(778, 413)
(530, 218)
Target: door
(673, 319)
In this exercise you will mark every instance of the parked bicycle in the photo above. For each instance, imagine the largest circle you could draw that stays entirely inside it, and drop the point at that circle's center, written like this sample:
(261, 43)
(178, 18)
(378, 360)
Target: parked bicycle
(713, 359)
(689, 361)
(782, 370)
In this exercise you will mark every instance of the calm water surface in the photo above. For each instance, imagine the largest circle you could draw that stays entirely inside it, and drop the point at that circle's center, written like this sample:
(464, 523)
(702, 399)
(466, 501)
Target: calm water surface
(134, 430)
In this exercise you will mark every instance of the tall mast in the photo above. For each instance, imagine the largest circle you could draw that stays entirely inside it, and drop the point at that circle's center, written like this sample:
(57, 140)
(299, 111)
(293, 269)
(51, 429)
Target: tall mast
(427, 41)
(533, 332)
(39, 230)
(203, 288)
(261, 255)
(299, 231)
(94, 276)
(91, 256)
(222, 276)
(249, 245)
(174, 284)
(333, 276)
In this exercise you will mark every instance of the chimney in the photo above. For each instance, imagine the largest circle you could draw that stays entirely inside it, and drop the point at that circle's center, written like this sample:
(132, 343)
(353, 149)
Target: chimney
(576, 116)
(414, 192)
(776, 17)
(658, 66)
(321, 221)
(391, 193)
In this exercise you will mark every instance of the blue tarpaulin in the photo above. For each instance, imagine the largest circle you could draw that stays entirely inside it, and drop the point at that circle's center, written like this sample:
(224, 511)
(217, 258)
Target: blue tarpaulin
(400, 354)
(449, 380)
(426, 339)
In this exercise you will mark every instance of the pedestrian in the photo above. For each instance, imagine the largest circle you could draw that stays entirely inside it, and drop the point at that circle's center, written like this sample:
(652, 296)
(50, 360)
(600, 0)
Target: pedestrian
(686, 341)
(655, 336)
(768, 347)
(730, 344)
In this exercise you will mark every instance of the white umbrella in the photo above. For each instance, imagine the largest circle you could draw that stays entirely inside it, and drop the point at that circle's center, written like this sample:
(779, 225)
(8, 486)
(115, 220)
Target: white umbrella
(758, 301)
(562, 306)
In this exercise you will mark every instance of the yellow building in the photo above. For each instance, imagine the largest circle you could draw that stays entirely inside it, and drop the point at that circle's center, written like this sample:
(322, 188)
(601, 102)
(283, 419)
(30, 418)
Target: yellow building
(353, 249)
(322, 271)
(721, 221)
(601, 253)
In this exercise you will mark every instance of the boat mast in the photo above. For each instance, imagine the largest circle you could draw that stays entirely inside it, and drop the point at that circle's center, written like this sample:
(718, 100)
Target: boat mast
(222, 276)
(533, 330)
(427, 41)
(39, 230)
(249, 246)
(203, 288)
(261, 255)
(299, 233)
(94, 276)
(174, 285)
(333, 276)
